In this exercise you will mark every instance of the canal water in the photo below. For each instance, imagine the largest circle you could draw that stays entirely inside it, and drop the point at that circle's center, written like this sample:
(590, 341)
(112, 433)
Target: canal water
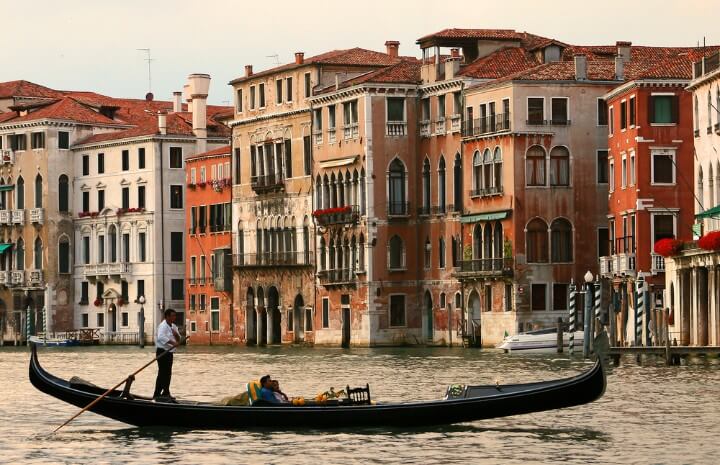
(650, 414)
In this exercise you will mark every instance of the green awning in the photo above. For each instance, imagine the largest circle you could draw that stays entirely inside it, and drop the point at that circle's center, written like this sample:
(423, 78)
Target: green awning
(6, 187)
(712, 212)
(484, 217)
(4, 247)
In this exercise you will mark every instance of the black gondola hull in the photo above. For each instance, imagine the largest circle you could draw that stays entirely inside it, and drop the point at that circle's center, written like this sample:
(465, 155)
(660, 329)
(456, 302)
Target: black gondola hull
(483, 402)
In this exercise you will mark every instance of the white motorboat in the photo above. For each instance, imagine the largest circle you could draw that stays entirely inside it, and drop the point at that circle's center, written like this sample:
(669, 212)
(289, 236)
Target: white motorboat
(53, 341)
(539, 340)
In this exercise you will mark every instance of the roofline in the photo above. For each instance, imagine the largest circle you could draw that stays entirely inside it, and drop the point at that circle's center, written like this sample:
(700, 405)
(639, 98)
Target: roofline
(644, 83)
(59, 121)
(293, 66)
(493, 83)
(202, 156)
(705, 78)
(148, 138)
(360, 88)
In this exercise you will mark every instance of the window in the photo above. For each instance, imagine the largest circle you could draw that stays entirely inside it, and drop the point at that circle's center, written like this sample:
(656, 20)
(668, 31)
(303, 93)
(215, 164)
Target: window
(86, 201)
(86, 250)
(63, 140)
(559, 166)
(237, 162)
(307, 155)
(508, 298)
(396, 253)
(126, 247)
(125, 197)
(318, 122)
(397, 310)
(37, 140)
(124, 318)
(325, 312)
(288, 89)
(611, 121)
(176, 246)
(611, 175)
(539, 297)
(663, 226)
(37, 254)
(141, 158)
(20, 193)
(663, 109)
(396, 109)
(18, 142)
(99, 289)
(560, 296)
(85, 322)
(623, 172)
(425, 109)
(176, 196)
(64, 256)
(125, 160)
(100, 199)
(561, 241)
(140, 288)
(124, 290)
(84, 293)
(101, 163)
(86, 165)
(141, 247)
(215, 313)
(239, 100)
(101, 320)
(623, 115)
(396, 180)
(535, 166)
(441, 107)
(252, 97)
(602, 167)
(427, 259)
(38, 192)
(308, 85)
(193, 304)
(603, 237)
(477, 173)
(141, 196)
(631, 169)
(441, 185)
(537, 241)
(113, 244)
(426, 186)
(559, 110)
(308, 320)
(203, 300)
(261, 95)
(101, 249)
(441, 252)
(176, 160)
(278, 91)
(536, 110)
(602, 112)
(632, 114)
(350, 119)
(176, 289)
(663, 166)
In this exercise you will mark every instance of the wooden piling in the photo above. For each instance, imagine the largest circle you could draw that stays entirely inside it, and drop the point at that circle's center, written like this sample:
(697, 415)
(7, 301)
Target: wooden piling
(559, 335)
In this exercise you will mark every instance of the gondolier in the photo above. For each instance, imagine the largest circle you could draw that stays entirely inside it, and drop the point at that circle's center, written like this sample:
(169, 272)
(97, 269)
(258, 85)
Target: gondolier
(167, 338)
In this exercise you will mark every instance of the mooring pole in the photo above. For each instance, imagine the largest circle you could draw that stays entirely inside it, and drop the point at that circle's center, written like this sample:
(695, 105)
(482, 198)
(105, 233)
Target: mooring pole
(588, 314)
(571, 337)
(559, 334)
(639, 308)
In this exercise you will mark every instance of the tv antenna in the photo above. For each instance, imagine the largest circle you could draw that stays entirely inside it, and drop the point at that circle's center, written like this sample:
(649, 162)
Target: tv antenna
(277, 58)
(149, 61)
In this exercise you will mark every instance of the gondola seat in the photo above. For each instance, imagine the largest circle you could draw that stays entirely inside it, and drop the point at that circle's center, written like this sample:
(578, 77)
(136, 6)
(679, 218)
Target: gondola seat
(253, 390)
(359, 396)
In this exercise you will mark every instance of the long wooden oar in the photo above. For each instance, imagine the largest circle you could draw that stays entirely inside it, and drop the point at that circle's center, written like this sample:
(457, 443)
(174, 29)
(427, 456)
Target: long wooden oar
(112, 389)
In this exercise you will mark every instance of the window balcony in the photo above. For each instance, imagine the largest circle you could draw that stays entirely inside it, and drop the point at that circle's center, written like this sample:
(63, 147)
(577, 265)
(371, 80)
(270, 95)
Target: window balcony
(536, 122)
(331, 135)
(339, 215)
(317, 137)
(18, 216)
(37, 216)
(8, 157)
(267, 183)
(606, 266)
(492, 124)
(35, 278)
(5, 217)
(398, 208)
(396, 128)
(17, 278)
(440, 127)
(481, 267)
(272, 259)
(560, 122)
(101, 270)
(351, 131)
(455, 121)
(5, 278)
(424, 210)
(486, 191)
(425, 129)
(337, 277)
(657, 263)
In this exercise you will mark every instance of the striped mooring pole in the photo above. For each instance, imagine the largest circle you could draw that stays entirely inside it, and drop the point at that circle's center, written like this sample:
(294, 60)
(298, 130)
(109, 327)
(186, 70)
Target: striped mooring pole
(573, 296)
(597, 299)
(639, 307)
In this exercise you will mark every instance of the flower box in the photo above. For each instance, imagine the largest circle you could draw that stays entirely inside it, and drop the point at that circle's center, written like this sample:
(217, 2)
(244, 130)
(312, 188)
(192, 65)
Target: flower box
(98, 302)
(710, 241)
(668, 247)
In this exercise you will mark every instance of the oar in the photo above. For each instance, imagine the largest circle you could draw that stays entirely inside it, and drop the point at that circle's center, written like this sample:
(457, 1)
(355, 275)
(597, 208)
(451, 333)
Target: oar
(112, 389)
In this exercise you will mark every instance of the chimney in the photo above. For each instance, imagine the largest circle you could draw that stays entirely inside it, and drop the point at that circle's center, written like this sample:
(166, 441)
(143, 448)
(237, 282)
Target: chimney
(619, 68)
(162, 122)
(580, 67)
(455, 52)
(187, 97)
(299, 58)
(337, 81)
(177, 102)
(392, 47)
(248, 70)
(199, 87)
(623, 49)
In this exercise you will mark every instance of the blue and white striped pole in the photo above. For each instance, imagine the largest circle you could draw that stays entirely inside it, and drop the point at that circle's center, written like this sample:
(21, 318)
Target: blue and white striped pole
(597, 298)
(639, 307)
(573, 296)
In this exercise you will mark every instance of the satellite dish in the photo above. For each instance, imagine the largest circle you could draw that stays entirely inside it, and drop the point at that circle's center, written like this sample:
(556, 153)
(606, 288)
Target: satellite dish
(149, 96)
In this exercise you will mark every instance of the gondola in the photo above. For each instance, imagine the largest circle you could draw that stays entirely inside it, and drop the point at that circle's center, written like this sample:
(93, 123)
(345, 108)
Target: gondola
(461, 404)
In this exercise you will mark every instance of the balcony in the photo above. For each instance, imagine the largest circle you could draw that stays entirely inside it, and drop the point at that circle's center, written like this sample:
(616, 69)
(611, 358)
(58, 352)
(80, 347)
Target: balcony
(331, 135)
(339, 215)
(317, 137)
(35, 278)
(8, 157)
(37, 216)
(351, 131)
(621, 264)
(17, 278)
(657, 263)
(5, 217)
(272, 259)
(486, 191)
(18, 216)
(396, 128)
(107, 270)
(425, 129)
(481, 267)
(440, 127)
(339, 277)
(492, 124)
(455, 123)
(606, 266)
(268, 183)
(398, 208)
(5, 278)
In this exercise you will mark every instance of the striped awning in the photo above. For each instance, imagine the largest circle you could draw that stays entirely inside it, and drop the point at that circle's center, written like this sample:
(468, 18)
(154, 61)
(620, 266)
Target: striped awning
(5, 247)
(713, 212)
(6, 187)
(338, 162)
(485, 217)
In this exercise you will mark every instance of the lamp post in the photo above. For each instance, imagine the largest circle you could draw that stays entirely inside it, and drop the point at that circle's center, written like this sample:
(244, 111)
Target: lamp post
(587, 320)
(141, 321)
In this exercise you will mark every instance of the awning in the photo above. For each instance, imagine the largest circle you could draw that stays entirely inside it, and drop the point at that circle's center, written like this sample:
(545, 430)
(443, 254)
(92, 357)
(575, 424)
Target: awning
(711, 212)
(485, 217)
(5, 247)
(338, 162)
(6, 187)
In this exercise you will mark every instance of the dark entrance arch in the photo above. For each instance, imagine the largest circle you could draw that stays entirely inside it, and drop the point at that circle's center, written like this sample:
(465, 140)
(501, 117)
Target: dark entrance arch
(261, 318)
(250, 318)
(274, 316)
(112, 316)
(429, 320)
(298, 320)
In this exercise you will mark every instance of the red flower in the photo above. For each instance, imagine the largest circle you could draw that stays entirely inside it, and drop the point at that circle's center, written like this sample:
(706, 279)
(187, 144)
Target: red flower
(710, 241)
(668, 247)
(98, 302)
(121, 302)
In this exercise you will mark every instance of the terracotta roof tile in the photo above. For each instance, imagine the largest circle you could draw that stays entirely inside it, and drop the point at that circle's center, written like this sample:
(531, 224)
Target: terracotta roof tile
(26, 89)
(459, 33)
(501, 63)
(406, 71)
(224, 150)
(66, 109)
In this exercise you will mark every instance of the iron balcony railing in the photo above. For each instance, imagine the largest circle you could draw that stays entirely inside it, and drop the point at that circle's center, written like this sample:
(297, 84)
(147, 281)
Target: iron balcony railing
(486, 191)
(492, 266)
(398, 208)
(337, 276)
(268, 182)
(339, 215)
(488, 125)
(269, 259)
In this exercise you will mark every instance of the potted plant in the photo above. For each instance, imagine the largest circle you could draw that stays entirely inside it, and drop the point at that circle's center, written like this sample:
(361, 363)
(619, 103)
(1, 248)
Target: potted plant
(98, 302)
(667, 247)
(710, 241)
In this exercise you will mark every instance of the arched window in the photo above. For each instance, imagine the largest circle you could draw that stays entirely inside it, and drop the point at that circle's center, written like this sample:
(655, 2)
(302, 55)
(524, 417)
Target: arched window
(362, 191)
(326, 192)
(559, 166)
(340, 190)
(323, 254)
(454, 251)
(711, 187)
(38, 192)
(487, 244)
(697, 115)
(3, 196)
(331, 255)
(396, 253)
(37, 254)
(353, 255)
(396, 188)
(487, 171)
(427, 259)
(561, 242)
(700, 191)
(361, 253)
(64, 255)
(717, 106)
(477, 173)
(535, 166)
(426, 186)
(536, 241)
(709, 110)
(333, 191)
(441, 252)
(63, 194)
(498, 254)
(20, 193)
(20, 254)
(113, 244)
(441, 184)
(498, 169)
(477, 242)
(318, 193)
(457, 183)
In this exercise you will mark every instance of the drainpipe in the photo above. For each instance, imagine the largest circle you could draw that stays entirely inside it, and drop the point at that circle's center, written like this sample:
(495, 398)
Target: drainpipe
(162, 226)
(314, 225)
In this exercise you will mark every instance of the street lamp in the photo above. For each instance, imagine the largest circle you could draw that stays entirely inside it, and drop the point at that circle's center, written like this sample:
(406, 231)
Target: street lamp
(588, 313)
(141, 321)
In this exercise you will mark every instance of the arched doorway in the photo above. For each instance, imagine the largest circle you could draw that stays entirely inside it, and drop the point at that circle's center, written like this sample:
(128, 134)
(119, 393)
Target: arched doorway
(429, 320)
(473, 324)
(261, 318)
(703, 307)
(274, 317)
(250, 318)
(685, 306)
(298, 320)
(112, 318)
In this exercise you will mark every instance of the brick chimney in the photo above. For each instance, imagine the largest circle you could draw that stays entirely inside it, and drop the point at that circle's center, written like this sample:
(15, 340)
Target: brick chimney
(623, 49)
(392, 47)
(619, 68)
(455, 52)
(580, 67)
(199, 86)
(248, 70)
(299, 58)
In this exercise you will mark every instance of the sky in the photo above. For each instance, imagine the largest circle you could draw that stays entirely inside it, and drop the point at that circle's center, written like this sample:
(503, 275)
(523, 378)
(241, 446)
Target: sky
(93, 45)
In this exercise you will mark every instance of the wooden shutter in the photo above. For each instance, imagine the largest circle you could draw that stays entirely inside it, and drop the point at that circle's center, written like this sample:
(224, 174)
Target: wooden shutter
(674, 109)
(651, 109)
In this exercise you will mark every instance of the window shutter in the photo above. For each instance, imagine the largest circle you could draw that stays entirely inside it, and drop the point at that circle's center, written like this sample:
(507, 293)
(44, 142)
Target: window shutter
(651, 109)
(674, 109)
